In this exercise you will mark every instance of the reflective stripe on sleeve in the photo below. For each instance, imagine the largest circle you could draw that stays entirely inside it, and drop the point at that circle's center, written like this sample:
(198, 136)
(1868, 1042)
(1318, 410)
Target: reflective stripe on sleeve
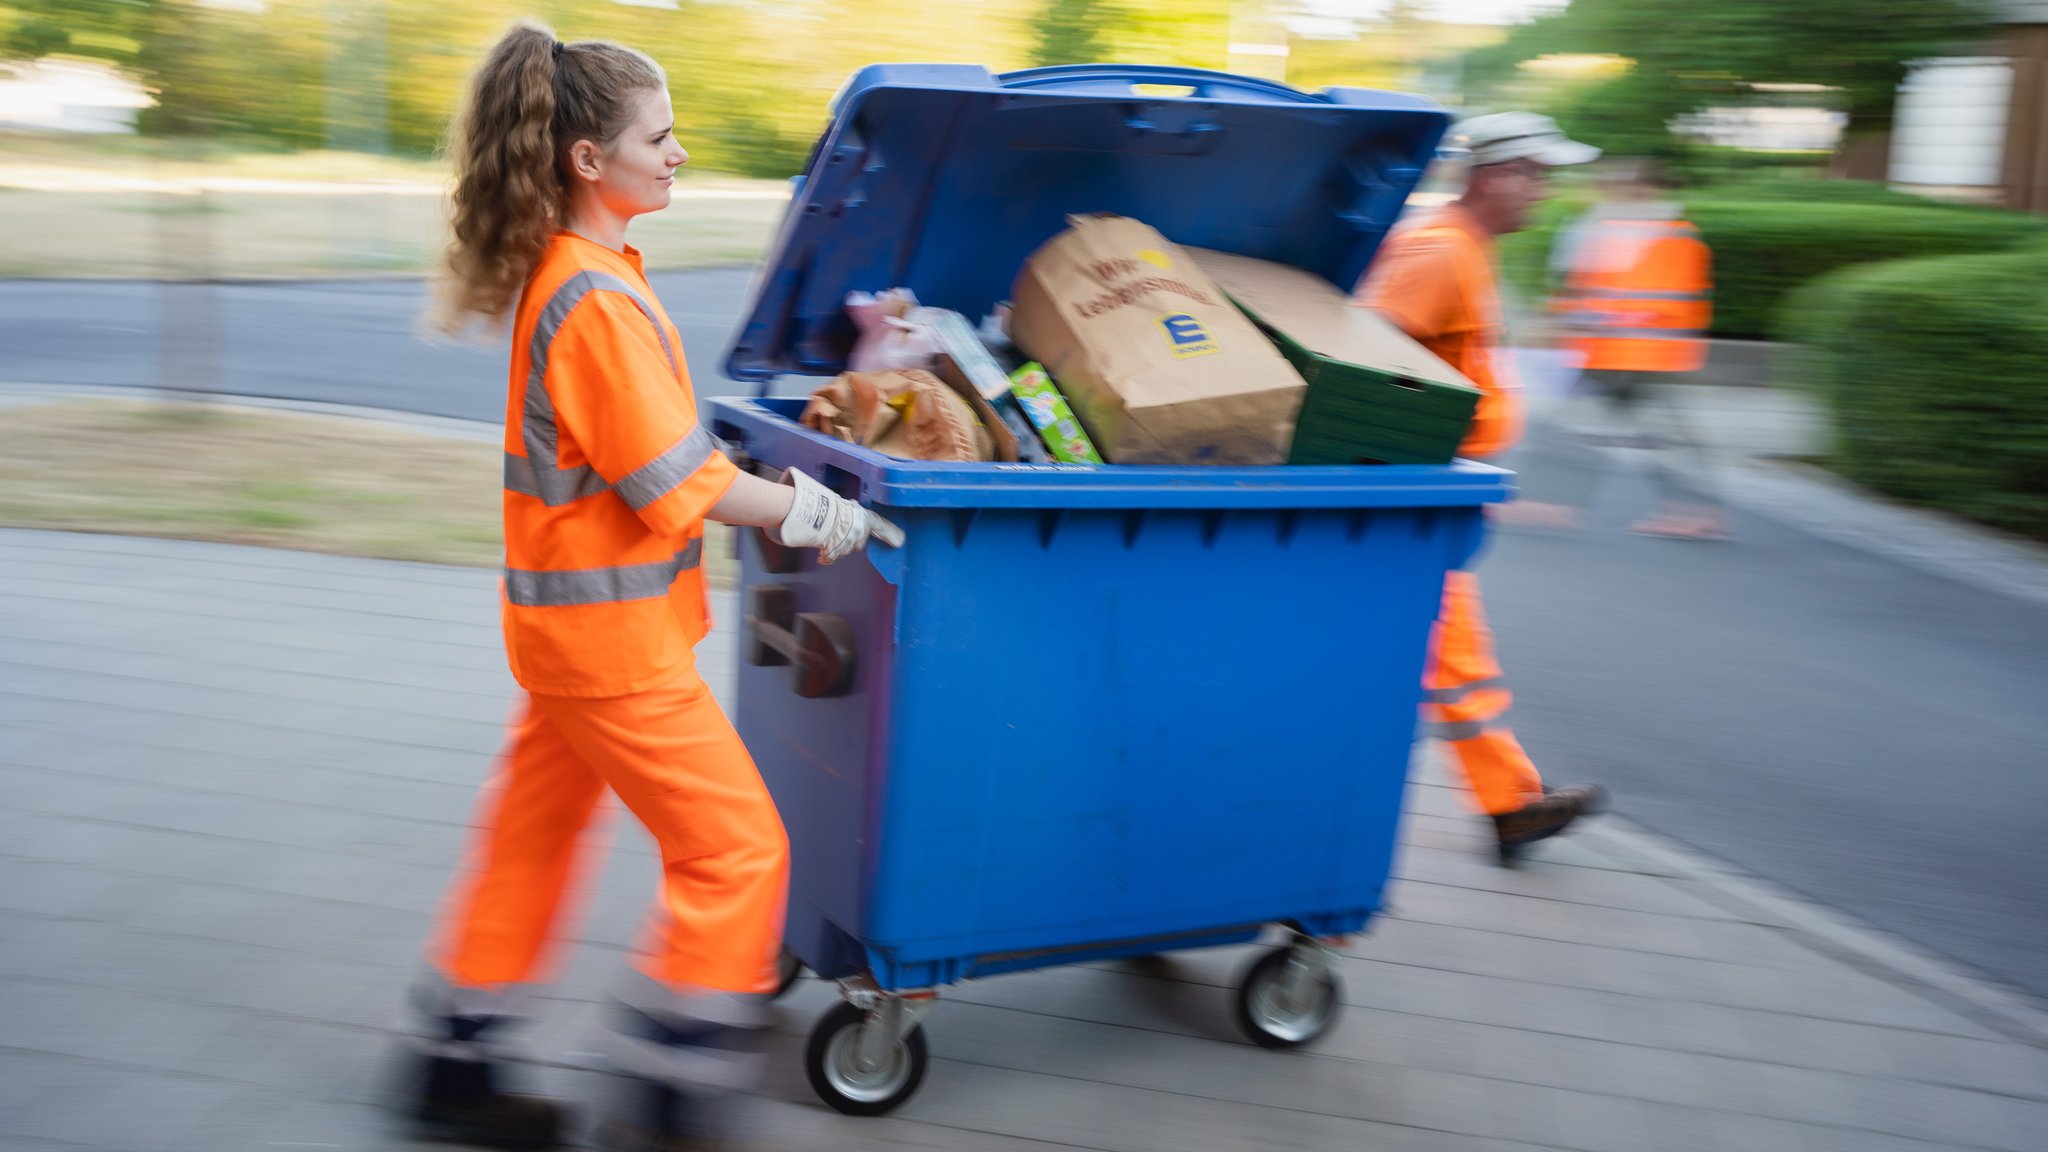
(660, 476)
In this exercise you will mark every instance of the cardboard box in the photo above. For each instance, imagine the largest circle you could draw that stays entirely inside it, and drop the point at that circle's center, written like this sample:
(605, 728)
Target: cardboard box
(1156, 362)
(1375, 396)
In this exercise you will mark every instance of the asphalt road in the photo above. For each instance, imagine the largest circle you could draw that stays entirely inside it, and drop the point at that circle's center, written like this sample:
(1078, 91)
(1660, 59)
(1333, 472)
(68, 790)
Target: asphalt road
(354, 342)
(1861, 731)
(1841, 723)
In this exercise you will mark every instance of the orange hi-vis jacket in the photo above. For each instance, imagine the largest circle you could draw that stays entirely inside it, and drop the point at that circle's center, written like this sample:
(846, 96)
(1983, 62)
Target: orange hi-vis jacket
(1641, 294)
(1434, 279)
(608, 476)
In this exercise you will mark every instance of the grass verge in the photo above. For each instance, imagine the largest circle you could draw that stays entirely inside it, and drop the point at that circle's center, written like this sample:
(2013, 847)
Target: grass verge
(197, 471)
(132, 209)
(236, 235)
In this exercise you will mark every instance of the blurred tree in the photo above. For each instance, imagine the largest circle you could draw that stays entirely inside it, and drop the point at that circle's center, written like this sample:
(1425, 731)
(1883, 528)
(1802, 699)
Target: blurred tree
(1190, 33)
(751, 82)
(1071, 32)
(1398, 50)
(109, 30)
(1627, 114)
(1689, 53)
(249, 75)
(433, 48)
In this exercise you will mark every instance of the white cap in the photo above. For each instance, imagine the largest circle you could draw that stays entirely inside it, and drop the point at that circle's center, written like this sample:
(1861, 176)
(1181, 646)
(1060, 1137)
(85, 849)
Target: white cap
(1504, 136)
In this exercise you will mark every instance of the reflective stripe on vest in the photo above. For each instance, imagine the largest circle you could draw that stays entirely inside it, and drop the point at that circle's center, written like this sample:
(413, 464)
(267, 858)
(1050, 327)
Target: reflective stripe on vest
(537, 473)
(1583, 294)
(1666, 334)
(1679, 228)
(528, 588)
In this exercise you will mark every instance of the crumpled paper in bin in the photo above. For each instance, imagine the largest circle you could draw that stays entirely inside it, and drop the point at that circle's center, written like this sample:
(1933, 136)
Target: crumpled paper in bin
(903, 412)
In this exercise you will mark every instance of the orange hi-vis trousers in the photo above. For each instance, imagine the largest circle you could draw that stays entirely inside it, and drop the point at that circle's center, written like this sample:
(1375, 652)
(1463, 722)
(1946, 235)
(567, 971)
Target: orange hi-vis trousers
(672, 757)
(1465, 698)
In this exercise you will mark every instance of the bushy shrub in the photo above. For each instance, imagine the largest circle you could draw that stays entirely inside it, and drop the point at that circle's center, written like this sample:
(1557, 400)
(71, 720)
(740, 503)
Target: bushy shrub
(1763, 250)
(1811, 190)
(1935, 372)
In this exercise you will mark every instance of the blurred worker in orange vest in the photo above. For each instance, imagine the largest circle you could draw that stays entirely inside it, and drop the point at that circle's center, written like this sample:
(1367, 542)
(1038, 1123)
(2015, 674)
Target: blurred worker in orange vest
(1435, 279)
(1635, 303)
(609, 479)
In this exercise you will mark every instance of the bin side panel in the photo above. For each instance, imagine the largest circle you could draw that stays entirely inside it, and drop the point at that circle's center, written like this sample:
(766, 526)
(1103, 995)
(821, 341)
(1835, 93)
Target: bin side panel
(818, 755)
(1115, 724)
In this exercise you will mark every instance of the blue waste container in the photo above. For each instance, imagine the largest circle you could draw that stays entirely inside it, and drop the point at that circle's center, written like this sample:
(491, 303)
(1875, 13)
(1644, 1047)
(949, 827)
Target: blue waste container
(1082, 712)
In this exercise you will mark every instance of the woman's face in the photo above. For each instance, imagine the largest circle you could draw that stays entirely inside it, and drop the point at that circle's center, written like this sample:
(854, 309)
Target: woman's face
(636, 173)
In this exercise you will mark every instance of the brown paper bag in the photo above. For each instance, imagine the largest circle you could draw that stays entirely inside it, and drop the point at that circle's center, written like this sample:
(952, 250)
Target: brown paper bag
(1155, 360)
(903, 412)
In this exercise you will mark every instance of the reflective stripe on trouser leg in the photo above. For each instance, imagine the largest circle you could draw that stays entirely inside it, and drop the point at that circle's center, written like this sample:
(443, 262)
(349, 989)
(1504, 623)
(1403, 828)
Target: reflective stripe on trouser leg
(688, 1039)
(462, 1022)
(524, 848)
(674, 759)
(1499, 772)
(1467, 699)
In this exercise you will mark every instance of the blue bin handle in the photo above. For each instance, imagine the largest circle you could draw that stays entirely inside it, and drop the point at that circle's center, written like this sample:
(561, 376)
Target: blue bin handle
(1120, 79)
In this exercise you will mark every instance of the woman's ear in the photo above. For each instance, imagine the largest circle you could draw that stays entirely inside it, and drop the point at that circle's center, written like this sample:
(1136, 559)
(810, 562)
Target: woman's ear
(585, 160)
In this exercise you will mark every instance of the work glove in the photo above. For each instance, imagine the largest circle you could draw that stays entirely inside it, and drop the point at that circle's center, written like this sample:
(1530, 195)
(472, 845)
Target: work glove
(834, 525)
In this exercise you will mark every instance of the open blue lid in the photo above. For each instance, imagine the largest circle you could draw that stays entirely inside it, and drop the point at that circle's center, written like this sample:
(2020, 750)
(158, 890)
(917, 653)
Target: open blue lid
(942, 178)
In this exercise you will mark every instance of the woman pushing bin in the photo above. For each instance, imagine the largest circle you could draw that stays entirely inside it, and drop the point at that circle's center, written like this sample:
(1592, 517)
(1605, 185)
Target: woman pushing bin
(609, 480)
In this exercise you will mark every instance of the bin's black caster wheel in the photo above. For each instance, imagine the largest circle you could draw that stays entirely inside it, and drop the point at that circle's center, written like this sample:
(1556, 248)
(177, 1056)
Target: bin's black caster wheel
(1283, 1007)
(832, 1061)
(788, 970)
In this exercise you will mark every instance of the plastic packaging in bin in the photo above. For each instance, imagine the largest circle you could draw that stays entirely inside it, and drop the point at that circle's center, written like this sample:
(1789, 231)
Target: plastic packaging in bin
(1083, 711)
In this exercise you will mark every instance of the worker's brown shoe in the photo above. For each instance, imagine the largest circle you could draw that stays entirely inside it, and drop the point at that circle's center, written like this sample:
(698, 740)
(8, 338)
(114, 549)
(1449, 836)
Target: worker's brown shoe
(1544, 818)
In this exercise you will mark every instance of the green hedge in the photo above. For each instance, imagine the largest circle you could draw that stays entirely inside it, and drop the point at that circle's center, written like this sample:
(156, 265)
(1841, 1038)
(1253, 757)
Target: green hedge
(1767, 244)
(1764, 250)
(1813, 190)
(1936, 374)
(1701, 164)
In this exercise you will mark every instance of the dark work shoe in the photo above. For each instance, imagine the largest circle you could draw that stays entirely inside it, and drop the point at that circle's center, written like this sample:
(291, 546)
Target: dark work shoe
(1544, 818)
(461, 1101)
(659, 1118)
(677, 1079)
(499, 1120)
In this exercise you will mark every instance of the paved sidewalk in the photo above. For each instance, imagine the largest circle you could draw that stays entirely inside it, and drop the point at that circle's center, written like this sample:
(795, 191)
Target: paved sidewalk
(1758, 438)
(236, 780)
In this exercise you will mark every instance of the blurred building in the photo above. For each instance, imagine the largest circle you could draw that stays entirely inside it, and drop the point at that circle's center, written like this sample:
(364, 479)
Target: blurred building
(1976, 127)
(59, 95)
(1778, 118)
